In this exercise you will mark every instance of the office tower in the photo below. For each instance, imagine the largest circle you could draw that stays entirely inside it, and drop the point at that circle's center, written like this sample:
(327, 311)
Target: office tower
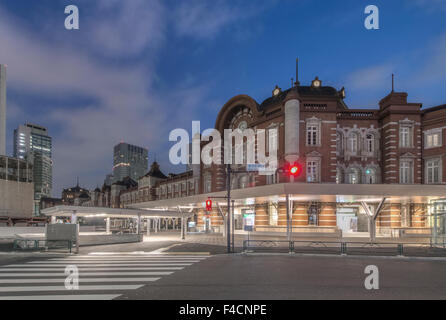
(129, 161)
(2, 109)
(33, 143)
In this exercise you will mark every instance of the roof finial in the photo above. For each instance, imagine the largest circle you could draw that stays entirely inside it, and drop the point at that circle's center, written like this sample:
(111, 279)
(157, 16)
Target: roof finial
(393, 82)
(297, 83)
(77, 182)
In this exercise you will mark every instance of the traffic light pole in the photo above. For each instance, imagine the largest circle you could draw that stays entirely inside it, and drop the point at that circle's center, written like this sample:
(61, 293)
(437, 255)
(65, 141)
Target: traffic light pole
(228, 218)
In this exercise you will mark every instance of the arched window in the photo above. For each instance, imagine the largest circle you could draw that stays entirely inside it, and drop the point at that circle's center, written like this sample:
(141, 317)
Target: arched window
(244, 182)
(353, 176)
(339, 175)
(207, 184)
(339, 143)
(370, 176)
(370, 143)
(352, 143)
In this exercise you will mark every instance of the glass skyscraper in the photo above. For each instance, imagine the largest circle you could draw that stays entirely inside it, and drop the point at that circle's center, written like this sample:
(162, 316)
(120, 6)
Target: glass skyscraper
(129, 161)
(33, 143)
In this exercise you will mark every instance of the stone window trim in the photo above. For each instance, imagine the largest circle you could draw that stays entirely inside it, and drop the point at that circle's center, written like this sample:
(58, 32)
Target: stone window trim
(406, 123)
(317, 159)
(349, 170)
(271, 126)
(313, 122)
(427, 161)
(435, 131)
(376, 170)
(411, 160)
(353, 133)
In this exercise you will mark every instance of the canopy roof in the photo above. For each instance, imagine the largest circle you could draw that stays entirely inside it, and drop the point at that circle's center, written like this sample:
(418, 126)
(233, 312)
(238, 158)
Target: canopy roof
(323, 192)
(67, 211)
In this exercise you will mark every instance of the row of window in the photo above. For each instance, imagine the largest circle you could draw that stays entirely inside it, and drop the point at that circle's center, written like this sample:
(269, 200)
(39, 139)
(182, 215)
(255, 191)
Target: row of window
(176, 187)
(354, 143)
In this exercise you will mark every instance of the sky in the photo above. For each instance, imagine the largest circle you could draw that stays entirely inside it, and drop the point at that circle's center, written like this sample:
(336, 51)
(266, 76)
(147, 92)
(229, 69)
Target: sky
(137, 69)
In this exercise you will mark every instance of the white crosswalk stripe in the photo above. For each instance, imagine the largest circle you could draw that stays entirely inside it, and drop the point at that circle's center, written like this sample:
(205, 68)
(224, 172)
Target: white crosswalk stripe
(105, 272)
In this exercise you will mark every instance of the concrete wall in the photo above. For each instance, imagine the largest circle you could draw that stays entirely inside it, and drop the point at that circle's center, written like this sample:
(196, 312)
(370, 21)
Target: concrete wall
(90, 240)
(16, 199)
(11, 232)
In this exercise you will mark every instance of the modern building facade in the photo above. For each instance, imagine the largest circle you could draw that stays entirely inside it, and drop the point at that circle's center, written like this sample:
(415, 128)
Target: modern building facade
(16, 188)
(129, 161)
(33, 143)
(2, 109)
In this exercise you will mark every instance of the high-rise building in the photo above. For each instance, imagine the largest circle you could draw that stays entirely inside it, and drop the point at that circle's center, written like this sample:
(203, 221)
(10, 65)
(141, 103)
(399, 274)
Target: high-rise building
(33, 143)
(2, 109)
(129, 161)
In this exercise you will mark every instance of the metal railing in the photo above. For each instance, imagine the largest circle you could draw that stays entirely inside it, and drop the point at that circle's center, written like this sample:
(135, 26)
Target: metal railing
(344, 248)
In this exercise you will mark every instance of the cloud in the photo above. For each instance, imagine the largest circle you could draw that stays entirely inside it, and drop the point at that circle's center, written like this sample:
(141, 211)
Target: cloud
(430, 5)
(104, 77)
(126, 28)
(204, 19)
(435, 67)
(370, 78)
(126, 107)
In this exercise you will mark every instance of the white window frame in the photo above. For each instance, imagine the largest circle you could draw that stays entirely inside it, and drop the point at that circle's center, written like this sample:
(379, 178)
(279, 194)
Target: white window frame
(272, 138)
(353, 147)
(430, 168)
(406, 171)
(370, 143)
(406, 136)
(315, 176)
(339, 143)
(433, 139)
(207, 184)
(350, 172)
(313, 133)
(339, 175)
(372, 175)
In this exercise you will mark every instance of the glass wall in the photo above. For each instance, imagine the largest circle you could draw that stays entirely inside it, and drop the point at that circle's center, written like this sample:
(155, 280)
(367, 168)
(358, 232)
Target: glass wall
(438, 221)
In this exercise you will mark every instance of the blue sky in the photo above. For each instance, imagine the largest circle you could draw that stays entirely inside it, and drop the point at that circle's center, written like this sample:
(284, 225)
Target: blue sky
(137, 69)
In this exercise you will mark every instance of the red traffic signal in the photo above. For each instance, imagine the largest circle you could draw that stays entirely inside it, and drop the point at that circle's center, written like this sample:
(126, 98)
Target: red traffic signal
(209, 205)
(294, 169)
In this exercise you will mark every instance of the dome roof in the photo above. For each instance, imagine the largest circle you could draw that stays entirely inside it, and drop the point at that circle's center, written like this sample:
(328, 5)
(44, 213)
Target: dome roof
(299, 91)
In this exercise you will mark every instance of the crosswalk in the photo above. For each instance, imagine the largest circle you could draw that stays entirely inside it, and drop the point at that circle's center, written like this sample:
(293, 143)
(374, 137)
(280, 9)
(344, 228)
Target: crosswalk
(100, 276)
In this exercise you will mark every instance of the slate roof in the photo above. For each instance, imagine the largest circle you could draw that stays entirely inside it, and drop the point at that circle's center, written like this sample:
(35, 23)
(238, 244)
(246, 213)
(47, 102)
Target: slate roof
(155, 171)
(305, 91)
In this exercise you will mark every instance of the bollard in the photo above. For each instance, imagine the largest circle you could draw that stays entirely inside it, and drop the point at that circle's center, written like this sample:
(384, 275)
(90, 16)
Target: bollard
(400, 250)
(343, 248)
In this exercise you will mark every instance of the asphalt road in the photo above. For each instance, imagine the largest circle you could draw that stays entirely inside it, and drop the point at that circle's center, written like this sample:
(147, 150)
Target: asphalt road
(296, 277)
(129, 271)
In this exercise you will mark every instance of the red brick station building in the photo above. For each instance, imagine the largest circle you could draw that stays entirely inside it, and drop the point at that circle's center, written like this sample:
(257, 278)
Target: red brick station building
(386, 165)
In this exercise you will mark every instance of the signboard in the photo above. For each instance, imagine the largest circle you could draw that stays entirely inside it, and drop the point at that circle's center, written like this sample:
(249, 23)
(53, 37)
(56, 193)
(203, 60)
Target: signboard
(192, 224)
(61, 232)
(261, 168)
(249, 220)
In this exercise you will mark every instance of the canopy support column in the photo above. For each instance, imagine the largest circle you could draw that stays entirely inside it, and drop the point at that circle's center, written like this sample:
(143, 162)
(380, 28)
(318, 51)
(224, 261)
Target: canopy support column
(372, 217)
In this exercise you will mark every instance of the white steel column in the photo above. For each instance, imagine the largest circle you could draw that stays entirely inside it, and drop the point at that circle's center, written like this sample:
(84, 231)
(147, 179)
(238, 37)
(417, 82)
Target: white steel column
(107, 225)
(372, 217)
(148, 226)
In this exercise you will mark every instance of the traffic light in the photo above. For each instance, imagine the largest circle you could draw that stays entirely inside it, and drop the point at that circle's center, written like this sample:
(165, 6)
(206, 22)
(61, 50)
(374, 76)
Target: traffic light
(294, 169)
(291, 169)
(209, 205)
